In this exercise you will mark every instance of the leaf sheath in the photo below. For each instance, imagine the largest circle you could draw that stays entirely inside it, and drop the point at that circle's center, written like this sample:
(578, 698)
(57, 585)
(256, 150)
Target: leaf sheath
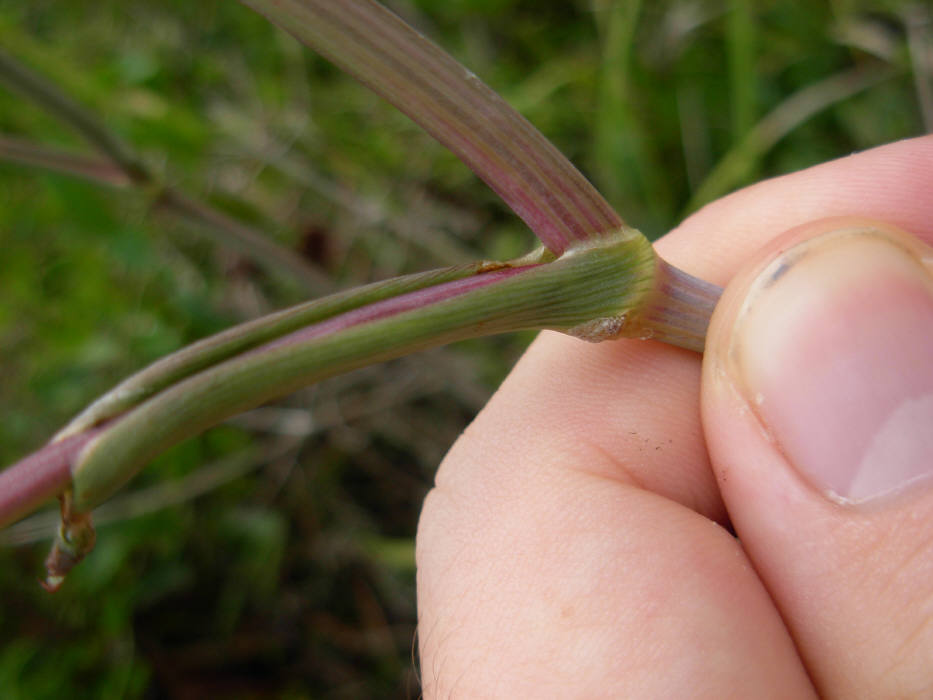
(594, 282)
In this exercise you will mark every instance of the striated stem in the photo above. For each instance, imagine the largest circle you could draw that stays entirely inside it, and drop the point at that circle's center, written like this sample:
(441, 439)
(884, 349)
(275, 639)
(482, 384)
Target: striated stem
(597, 281)
(606, 281)
(616, 287)
(679, 309)
(377, 48)
(247, 336)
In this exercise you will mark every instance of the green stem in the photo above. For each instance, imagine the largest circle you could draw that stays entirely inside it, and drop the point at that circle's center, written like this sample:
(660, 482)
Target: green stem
(606, 282)
(614, 286)
(247, 336)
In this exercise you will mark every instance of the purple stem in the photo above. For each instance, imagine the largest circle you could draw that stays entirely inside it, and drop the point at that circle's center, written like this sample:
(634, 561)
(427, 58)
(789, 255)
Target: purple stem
(456, 108)
(40, 476)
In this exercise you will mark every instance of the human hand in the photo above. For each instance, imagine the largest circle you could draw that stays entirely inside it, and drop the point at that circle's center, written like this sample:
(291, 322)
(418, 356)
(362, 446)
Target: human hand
(577, 543)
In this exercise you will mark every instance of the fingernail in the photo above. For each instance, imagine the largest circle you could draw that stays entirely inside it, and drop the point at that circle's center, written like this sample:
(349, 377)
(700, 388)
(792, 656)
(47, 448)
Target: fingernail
(834, 349)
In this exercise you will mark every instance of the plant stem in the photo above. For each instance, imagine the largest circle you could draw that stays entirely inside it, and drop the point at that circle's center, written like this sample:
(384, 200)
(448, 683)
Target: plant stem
(612, 287)
(609, 280)
(596, 280)
(247, 336)
(680, 309)
(45, 473)
(455, 107)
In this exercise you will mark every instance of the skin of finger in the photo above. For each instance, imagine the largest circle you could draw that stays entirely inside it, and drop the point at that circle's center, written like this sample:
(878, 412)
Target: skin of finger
(854, 587)
(575, 408)
(575, 585)
(890, 183)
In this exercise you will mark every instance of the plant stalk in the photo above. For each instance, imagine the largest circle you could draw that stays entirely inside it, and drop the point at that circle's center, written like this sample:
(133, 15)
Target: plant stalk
(613, 287)
(453, 105)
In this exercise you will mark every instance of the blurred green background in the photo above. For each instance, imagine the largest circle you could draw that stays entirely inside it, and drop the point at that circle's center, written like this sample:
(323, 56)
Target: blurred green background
(273, 557)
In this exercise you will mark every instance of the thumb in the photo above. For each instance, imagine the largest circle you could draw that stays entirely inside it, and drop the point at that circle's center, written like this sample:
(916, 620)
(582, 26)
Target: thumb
(818, 413)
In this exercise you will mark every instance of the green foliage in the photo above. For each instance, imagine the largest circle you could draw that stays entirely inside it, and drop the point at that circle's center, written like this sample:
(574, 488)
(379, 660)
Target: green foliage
(290, 574)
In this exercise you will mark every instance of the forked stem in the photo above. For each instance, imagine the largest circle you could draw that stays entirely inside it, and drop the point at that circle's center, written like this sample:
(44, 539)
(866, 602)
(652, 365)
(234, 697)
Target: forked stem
(613, 287)
(596, 279)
